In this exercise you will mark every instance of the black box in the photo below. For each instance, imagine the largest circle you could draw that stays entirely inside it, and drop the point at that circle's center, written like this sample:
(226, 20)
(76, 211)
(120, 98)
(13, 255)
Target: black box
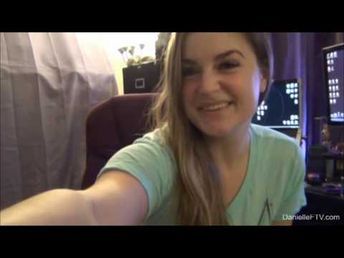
(141, 78)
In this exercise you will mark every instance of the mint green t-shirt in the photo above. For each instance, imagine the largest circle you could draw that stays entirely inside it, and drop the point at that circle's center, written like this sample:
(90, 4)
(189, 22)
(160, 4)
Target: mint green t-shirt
(273, 186)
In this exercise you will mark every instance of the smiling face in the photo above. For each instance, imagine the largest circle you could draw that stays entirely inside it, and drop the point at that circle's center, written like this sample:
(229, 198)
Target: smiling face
(221, 82)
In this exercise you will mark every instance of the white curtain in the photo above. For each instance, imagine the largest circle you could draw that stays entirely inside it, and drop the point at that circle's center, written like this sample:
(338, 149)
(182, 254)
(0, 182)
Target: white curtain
(49, 83)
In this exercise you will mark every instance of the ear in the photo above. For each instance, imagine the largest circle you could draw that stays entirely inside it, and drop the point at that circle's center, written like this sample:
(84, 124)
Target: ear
(263, 84)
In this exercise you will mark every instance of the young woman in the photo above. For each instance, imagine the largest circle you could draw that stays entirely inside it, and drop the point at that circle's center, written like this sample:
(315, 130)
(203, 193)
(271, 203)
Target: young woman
(203, 163)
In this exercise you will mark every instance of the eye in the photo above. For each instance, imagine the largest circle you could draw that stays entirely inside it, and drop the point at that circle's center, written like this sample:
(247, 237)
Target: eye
(226, 65)
(188, 71)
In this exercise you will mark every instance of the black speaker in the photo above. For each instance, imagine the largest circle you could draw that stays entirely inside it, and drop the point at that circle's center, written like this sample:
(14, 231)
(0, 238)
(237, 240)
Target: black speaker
(141, 78)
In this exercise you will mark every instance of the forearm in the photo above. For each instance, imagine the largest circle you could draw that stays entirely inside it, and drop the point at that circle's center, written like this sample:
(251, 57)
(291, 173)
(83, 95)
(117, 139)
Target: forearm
(55, 207)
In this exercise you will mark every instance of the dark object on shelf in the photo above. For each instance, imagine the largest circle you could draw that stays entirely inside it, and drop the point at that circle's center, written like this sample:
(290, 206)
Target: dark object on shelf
(333, 188)
(316, 162)
(141, 78)
(314, 178)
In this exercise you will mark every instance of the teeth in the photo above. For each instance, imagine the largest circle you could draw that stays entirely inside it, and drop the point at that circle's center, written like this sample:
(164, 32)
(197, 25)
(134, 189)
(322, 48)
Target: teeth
(215, 107)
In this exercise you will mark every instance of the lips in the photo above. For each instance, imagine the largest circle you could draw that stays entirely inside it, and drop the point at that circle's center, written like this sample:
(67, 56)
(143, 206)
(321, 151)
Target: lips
(215, 106)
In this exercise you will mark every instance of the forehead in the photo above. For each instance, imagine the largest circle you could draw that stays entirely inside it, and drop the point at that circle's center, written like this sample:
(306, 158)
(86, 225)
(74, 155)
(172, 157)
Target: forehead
(207, 45)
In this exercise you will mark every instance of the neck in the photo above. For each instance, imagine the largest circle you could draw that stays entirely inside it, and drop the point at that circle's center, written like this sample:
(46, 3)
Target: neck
(229, 151)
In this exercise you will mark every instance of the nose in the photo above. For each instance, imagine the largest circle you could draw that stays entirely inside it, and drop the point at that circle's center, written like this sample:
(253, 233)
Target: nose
(210, 81)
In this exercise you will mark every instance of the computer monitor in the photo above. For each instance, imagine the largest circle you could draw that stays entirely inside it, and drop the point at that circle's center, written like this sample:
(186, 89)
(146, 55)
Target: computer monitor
(334, 83)
(281, 108)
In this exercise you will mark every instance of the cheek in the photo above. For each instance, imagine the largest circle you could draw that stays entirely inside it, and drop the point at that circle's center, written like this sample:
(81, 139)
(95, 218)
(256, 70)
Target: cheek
(248, 94)
(188, 90)
(255, 85)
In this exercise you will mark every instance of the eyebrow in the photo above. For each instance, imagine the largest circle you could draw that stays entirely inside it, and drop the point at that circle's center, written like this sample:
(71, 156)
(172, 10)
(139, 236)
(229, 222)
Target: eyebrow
(228, 53)
(219, 56)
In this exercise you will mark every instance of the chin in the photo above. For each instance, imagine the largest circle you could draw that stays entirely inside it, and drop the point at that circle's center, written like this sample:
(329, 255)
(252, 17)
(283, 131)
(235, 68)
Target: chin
(222, 130)
(215, 132)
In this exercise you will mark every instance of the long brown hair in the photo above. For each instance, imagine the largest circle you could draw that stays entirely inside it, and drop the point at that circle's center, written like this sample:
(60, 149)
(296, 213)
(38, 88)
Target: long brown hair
(200, 195)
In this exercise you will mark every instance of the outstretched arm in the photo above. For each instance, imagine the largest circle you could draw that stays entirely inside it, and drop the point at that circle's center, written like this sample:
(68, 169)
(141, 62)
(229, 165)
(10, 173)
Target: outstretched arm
(117, 198)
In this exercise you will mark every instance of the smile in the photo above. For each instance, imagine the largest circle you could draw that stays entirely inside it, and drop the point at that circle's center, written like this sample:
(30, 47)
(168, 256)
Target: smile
(215, 107)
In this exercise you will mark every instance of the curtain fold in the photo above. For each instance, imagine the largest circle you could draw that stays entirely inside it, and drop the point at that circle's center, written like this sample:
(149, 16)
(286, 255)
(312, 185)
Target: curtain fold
(49, 83)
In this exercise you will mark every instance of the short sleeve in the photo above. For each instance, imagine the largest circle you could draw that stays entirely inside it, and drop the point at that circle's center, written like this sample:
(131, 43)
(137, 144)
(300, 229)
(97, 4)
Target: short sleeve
(149, 162)
(294, 196)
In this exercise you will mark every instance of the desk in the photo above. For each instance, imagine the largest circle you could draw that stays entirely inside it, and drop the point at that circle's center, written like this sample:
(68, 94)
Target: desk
(322, 203)
(334, 165)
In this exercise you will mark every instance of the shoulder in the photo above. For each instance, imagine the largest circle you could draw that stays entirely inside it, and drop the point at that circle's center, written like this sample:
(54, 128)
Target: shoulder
(277, 155)
(281, 167)
(153, 146)
(272, 140)
(147, 153)
(153, 139)
(151, 142)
